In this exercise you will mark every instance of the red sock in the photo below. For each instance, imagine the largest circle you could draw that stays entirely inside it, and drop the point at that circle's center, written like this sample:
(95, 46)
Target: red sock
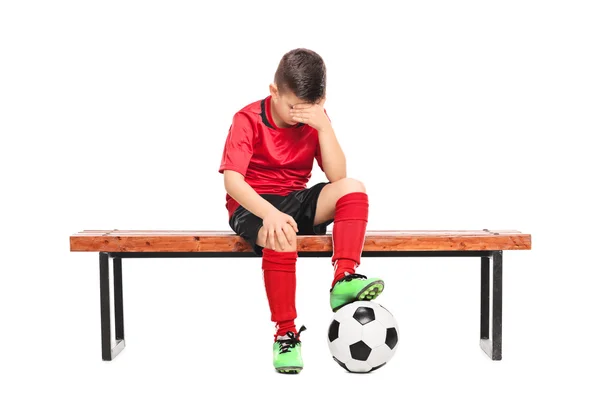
(279, 273)
(349, 229)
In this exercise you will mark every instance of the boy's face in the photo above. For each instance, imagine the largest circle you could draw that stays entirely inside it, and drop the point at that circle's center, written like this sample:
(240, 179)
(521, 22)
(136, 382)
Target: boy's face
(282, 104)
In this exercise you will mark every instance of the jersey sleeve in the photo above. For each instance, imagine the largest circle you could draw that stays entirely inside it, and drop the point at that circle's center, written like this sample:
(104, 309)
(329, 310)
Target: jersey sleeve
(239, 145)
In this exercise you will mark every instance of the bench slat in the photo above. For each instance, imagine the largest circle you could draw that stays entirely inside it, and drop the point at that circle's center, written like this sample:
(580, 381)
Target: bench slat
(228, 233)
(227, 241)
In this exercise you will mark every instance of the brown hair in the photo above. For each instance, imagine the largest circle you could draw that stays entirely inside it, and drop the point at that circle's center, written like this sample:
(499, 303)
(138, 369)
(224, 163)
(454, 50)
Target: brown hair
(302, 72)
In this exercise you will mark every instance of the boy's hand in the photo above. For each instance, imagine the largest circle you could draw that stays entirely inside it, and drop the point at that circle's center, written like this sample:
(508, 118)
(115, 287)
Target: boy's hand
(311, 114)
(277, 226)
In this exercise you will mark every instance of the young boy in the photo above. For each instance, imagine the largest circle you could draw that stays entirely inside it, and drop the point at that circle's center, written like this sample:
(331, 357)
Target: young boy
(267, 161)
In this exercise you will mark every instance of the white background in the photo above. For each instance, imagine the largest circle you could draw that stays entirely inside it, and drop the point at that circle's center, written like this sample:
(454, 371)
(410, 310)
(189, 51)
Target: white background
(456, 115)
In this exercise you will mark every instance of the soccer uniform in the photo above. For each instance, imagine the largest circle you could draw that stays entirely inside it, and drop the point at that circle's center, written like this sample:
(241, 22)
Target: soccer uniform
(277, 163)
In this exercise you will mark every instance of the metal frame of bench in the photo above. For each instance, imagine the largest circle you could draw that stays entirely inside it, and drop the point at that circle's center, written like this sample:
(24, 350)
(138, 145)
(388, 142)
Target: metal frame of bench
(492, 346)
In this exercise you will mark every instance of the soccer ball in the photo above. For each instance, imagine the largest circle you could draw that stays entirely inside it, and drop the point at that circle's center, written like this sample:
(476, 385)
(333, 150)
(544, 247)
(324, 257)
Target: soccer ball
(363, 336)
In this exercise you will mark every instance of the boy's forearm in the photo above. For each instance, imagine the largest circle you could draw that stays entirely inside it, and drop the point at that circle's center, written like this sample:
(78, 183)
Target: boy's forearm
(334, 160)
(244, 194)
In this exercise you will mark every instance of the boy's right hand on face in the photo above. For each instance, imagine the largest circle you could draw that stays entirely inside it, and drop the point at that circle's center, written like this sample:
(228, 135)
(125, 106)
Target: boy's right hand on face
(279, 226)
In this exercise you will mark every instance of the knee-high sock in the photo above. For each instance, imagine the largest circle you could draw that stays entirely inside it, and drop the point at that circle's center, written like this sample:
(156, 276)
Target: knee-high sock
(349, 229)
(279, 273)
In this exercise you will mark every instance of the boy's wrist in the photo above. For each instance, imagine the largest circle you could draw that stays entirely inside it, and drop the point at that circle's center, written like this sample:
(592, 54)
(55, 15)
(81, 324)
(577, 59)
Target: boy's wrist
(266, 209)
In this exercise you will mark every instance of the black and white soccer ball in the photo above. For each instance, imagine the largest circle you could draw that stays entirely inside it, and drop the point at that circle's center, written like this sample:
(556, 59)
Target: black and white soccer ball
(363, 336)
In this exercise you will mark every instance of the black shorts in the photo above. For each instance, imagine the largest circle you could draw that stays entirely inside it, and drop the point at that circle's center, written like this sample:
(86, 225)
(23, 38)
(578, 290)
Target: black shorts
(301, 205)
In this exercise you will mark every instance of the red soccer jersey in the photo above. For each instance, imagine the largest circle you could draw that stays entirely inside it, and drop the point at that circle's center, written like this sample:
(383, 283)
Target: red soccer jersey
(273, 160)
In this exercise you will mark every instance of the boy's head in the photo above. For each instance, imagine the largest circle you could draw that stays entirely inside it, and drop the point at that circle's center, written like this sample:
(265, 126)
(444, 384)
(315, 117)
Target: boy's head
(300, 78)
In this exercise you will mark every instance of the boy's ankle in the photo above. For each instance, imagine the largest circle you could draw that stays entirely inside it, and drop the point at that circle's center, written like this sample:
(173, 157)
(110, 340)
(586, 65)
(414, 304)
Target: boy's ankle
(283, 327)
(343, 268)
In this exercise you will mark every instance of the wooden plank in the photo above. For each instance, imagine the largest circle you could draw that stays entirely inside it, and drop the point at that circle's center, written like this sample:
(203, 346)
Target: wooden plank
(227, 241)
(227, 233)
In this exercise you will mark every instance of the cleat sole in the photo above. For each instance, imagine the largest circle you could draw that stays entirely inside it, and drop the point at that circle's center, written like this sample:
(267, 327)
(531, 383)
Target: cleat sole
(369, 292)
(289, 370)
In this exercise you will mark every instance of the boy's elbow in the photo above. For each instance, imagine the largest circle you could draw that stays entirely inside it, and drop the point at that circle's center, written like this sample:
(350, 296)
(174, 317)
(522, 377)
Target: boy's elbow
(335, 169)
(335, 178)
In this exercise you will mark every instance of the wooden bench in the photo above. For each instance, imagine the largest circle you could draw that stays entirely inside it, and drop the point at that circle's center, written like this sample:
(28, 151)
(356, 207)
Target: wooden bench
(118, 244)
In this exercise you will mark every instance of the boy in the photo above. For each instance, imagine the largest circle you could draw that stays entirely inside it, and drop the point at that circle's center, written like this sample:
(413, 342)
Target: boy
(267, 161)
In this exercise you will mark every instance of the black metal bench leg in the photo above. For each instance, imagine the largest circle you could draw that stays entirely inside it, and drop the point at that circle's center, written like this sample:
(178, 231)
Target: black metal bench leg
(485, 298)
(493, 347)
(109, 352)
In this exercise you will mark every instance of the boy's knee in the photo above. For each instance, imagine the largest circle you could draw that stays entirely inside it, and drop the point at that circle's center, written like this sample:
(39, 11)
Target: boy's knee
(291, 234)
(265, 241)
(261, 238)
(351, 185)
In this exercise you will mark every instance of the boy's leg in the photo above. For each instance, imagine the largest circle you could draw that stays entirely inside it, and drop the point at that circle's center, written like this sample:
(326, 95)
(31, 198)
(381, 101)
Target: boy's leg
(279, 273)
(346, 202)
(331, 193)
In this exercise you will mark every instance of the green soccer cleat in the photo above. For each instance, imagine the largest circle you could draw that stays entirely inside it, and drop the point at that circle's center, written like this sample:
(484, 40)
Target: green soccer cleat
(354, 287)
(287, 355)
